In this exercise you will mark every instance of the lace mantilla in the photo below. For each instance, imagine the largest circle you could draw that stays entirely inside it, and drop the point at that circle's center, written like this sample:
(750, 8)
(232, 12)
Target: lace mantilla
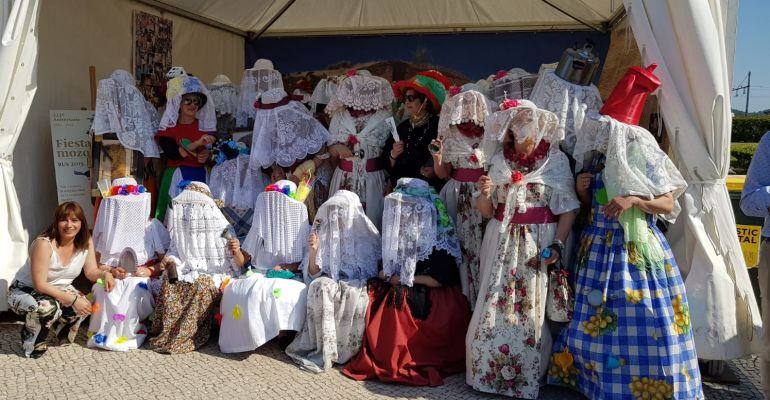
(460, 150)
(324, 92)
(285, 134)
(566, 100)
(121, 108)
(235, 184)
(525, 121)
(280, 228)
(225, 98)
(362, 92)
(348, 241)
(253, 84)
(413, 228)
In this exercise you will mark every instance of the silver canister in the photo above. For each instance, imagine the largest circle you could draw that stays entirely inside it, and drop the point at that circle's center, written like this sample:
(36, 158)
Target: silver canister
(578, 66)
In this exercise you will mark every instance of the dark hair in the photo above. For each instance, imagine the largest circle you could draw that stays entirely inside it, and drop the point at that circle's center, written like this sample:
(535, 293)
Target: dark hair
(423, 99)
(62, 212)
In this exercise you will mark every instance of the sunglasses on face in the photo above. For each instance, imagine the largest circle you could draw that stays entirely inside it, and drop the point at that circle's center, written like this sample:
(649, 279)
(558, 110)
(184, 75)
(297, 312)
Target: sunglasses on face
(411, 97)
(194, 102)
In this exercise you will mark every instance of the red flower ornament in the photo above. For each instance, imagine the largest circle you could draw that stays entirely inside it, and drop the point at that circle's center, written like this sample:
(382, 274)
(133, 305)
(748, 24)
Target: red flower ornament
(517, 177)
(473, 158)
(352, 72)
(352, 140)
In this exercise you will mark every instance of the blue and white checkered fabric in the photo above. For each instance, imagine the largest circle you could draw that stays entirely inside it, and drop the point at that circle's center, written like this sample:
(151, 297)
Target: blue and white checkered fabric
(638, 343)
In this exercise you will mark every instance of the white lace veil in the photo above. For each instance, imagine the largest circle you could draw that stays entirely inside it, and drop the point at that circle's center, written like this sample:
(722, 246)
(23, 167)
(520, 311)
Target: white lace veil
(348, 240)
(196, 225)
(634, 165)
(284, 134)
(280, 227)
(178, 87)
(120, 224)
(362, 91)
(235, 184)
(255, 81)
(527, 121)
(470, 106)
(323, 93)
(414, 224)
(122, 109)
(224, 95)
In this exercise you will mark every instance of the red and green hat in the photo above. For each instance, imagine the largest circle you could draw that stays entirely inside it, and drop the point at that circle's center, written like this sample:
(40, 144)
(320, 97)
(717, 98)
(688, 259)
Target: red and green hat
(432, 84)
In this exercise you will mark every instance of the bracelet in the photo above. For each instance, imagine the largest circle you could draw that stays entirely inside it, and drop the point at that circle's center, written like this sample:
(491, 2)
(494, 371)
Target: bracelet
(391, 156)
(73, 301)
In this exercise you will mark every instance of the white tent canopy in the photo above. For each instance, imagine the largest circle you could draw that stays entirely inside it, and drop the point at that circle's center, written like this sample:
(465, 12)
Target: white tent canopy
(334, 17)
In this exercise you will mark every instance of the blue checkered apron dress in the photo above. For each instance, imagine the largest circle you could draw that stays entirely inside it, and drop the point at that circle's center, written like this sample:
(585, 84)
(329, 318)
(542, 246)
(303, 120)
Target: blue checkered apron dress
(630, 337)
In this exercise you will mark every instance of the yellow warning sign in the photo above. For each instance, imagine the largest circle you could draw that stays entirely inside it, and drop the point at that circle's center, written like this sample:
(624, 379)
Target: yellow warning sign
(749, 236)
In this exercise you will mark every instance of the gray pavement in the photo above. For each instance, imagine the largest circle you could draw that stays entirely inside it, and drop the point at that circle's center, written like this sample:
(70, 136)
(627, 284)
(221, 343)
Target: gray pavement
(75, 372)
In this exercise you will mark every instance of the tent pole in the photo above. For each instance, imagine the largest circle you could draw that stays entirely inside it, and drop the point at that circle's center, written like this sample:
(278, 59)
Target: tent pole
(272, 20)
(557, 8)
(195, 17)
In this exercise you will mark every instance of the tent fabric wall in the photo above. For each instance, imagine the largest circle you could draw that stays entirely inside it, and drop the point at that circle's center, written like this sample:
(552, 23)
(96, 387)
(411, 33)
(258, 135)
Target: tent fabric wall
(74, 34)
(18, 57)
(687, 39)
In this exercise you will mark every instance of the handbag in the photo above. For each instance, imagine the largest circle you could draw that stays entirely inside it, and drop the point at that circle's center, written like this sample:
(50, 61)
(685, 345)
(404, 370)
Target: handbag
(560, 302)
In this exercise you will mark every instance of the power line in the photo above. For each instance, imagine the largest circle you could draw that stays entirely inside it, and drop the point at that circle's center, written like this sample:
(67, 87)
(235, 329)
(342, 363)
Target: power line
(746, 89)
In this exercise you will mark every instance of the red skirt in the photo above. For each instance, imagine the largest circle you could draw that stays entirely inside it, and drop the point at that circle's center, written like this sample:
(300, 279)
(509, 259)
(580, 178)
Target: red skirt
(397, 347)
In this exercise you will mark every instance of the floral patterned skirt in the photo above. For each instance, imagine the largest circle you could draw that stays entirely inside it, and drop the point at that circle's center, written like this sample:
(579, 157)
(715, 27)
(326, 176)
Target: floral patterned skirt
(630, 336)
(183, 315)
(334, 324)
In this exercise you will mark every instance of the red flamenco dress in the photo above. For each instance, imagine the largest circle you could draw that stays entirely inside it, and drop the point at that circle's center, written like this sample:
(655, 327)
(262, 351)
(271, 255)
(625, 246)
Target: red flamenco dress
(414, 335)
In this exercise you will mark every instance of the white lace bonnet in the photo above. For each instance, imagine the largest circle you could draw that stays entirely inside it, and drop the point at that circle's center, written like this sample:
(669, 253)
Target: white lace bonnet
(360, 90)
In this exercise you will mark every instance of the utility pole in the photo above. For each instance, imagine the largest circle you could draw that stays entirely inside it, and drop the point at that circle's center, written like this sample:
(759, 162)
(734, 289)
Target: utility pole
(747, 90)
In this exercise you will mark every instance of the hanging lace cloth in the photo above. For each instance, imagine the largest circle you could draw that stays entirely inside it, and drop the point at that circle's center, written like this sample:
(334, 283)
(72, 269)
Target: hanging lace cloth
(566, 100)
(121, 108)
(280, 226)
(224, 95)
(348, 241)
(196, 225)
(414, 224)
(323, 93)
(283, 133)
(257, 80)
(123, 222)
(525, 121)
(235, 184)
(464, 108)
(178, 87)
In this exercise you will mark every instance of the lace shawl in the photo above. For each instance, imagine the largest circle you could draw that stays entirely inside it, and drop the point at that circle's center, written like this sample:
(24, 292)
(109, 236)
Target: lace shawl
(470, 106)
(285, 134)
(235, 183)
(280, 228)
(362, 92)
(324, 92)
(348, 240)
(525, 121)
(122, 109)
(414, 224)
(178, 87)
(253, 84)
(196, 224)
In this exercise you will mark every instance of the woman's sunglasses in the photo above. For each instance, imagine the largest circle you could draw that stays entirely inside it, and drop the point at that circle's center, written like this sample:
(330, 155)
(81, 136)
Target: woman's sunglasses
(411, 97)
(195, 102)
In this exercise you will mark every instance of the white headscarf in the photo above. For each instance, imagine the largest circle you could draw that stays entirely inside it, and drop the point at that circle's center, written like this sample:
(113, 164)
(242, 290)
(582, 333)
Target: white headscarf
(414, 224)
(362, 91)
(257, 80)
(122, 109)
(324, 92)
(178, 87)
(235, 184)
(348, 240)
(284, 134)
(196, 225)
(280, 226)
(526, 121)
(470, 106)
(123, 222)
(223, 94)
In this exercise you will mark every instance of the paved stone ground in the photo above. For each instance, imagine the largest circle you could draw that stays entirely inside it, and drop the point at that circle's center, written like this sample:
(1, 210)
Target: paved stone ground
(75, 372)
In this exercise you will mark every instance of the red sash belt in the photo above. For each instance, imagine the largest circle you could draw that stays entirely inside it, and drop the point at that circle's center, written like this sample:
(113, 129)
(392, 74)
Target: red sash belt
(467, 174)
(533, 215)
(372, 165)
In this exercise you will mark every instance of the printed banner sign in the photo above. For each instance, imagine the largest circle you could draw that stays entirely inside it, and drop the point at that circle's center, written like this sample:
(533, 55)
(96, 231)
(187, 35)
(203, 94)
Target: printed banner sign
(749, 236)
(71, 142)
